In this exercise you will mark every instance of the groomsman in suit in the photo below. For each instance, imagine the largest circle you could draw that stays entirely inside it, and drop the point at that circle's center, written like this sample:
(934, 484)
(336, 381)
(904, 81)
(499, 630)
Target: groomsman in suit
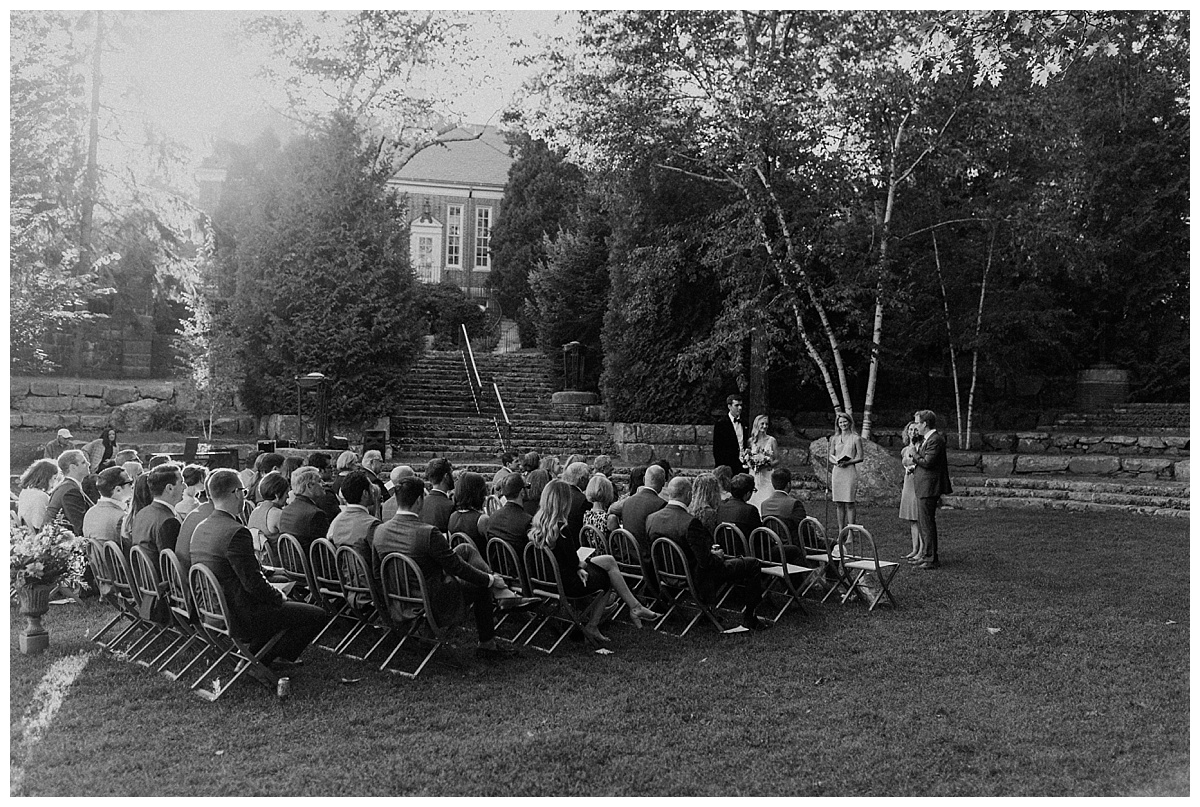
(729, 437)
(69, 497)
(156, 527)
(931, 479)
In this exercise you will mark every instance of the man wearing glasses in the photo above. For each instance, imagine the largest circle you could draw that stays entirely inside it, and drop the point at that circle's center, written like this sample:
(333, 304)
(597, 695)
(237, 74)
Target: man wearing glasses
(257, 609)
(103, 519)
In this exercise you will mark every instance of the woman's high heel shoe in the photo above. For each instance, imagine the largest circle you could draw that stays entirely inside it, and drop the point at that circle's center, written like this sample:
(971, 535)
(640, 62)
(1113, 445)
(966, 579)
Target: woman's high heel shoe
(636, 616)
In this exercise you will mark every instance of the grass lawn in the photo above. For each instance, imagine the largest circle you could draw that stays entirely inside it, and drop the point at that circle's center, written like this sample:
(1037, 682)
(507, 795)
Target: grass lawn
(1083, 690)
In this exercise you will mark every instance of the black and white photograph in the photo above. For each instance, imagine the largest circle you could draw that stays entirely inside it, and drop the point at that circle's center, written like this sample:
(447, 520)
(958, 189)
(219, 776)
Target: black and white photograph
(624, 403)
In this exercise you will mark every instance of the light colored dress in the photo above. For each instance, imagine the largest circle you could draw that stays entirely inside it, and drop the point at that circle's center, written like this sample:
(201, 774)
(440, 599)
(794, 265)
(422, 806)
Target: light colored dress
(762, 477)
(908, 494)
(32, 504)
(843, 481)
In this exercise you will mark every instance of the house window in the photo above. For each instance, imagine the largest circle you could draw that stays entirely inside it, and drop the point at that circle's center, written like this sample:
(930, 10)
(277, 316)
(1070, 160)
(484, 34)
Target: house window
(483, 237)
(454, 215)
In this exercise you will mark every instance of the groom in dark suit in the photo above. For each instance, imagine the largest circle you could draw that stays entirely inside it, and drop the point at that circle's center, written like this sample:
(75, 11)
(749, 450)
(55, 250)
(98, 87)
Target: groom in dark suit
(931, 479)
(729, 437)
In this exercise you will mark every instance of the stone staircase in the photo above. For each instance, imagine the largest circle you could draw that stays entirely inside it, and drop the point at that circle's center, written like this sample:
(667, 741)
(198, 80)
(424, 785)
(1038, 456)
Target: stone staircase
(1051, 493)
(441, 417)
(1131, 418)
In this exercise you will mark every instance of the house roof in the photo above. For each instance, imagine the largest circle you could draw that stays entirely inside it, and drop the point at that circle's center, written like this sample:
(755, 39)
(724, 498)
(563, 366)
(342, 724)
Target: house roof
(483, 161)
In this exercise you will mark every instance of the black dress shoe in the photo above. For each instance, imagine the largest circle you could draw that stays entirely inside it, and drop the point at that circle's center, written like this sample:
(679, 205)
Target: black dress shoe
(285, 664)
(500, 651)
(929, 564)
(757, 623)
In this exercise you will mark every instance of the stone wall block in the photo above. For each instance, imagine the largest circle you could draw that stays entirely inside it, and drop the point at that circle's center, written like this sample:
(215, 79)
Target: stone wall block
(91, 390)
(1000, 441)
(704, 435)
(1183, 470)
(84, 404)
(1043, 464)
(43, 388)
(1159, 466)
(791, 457)
(18, 386)
(963, 459)
(997, 464)
(14, 421)
(1094, 465)
(135, 416)
(637, 453)
(93, 423)
(1121, 440)
(116, 396)
(693, 456)
(1035, 443)
(159, 392)
(622, 432)
(39, 420)
(68, 388)
(656, 433)
(1152, 443)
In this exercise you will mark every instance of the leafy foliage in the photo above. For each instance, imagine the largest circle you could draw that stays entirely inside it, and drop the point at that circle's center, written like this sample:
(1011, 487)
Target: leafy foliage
(320, 272)
(446, 308)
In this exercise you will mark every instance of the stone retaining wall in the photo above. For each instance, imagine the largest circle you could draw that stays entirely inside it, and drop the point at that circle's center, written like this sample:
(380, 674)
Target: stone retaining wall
(1127, 467)
(682, 446)
(47, 404)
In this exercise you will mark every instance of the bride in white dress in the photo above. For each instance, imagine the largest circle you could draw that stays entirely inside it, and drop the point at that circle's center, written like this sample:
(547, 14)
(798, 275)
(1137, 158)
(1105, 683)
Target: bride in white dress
(762, 447)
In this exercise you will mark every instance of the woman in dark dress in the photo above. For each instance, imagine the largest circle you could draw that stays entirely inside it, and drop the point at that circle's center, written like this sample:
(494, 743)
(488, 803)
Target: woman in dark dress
(580, 578)
(470, 490)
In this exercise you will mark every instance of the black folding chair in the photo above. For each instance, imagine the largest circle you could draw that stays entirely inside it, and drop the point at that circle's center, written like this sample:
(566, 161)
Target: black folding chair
(322, 564)
(293, 562)
(152, 605)
(365, 600)
(562, 613)
(678, 589)
(503, 560)
(768, 548)
(858, 558)
(404, 588)
(196, 643)
(127, 600)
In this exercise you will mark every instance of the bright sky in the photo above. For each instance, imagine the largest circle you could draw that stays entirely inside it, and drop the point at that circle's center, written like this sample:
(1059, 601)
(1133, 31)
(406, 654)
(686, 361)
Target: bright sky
(197, 83)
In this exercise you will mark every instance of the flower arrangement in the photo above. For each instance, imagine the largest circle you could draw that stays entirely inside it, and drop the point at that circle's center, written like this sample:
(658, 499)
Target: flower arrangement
(51, 556)
(756, 458)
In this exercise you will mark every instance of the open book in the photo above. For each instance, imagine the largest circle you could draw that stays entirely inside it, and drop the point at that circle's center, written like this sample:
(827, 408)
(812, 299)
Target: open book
(585, 552)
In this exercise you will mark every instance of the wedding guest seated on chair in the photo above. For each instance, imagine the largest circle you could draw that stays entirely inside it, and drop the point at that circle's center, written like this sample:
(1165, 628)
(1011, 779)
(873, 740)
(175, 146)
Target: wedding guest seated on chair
(511, 523)
(455, 578)
(325, 498)
(389, 502)
(103, 519)
(736, 510)
(535, 479)
(437, 507)
(600, 493)
(304, 518)
(637, 478)
(194, 494)
(68, 498)
(156, 526)
(576, 475)
(710, 568)
(355, 526)
(372, 464)
(272, 498)
(257, 609)
(468, 517)
(783, 505)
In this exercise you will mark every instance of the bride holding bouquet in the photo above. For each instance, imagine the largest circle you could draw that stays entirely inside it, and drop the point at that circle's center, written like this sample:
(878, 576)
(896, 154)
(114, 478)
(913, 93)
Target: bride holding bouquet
(760, 458)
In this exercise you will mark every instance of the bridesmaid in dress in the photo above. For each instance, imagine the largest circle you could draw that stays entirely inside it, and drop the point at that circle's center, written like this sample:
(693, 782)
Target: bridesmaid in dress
(845, 451)
(908, 494)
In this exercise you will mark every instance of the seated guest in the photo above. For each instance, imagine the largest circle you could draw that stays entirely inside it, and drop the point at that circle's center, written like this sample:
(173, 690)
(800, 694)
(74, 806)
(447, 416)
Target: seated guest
(706, 498)
(603, 464)
(468, 517)
(156, 527)
(34, 498)
(535, 479)
(355, 526)
(666, 466)
(600, 493)
(134, 469)
(127, 455)
(325, 498)
(736, 510)
(642, 504)
(455, 578)
(63, 441)
(249, 472)
(551, 466)
(710, 568)
(347, 461)
(103, 519)
(193, 489)
(303, 517)
(597, 573)
(437, 506)
(272, 496)
(389, 503)
(782, 505)
(257, 609)
(574, 458)
(100, 452)
(724, 475)
(157, 460)
(69, 498)
(576, 475)
(263, 464)
(140, 500)
(372, 465)
(507, 462)
(89, 486)
(637, 477)
(511, 523)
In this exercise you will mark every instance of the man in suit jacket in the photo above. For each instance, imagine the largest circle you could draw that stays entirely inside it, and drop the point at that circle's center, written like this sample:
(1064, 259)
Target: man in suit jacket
(68, 498)
(372, 464)
(638, 507)
(576, 475)
(729, 437)
(355, 526)
(931, 480)
(455, 578)
(437, 506)
(257, 609)
(394, 476)
(303, 517)
(782, 506)
(187, 528)
(736, 510)
(103, 520)
(156, 527)
(511, 523)
(710, 568)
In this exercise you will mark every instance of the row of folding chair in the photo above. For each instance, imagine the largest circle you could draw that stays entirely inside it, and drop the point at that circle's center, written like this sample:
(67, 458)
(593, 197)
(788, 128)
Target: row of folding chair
(179, 629)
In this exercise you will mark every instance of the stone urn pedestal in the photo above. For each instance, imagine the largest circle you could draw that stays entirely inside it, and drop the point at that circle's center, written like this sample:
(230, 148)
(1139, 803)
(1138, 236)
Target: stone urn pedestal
(33, 601)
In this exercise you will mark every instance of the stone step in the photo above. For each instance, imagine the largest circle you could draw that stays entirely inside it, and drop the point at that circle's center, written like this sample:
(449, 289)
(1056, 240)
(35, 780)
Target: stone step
(1060, 483)
(991, 503)
(1098, 497)
(1125, 466)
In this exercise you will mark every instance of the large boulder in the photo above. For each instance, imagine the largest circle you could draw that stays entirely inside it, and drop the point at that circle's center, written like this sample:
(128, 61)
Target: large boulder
(1183, 471)
(880, 474)
(137, 416)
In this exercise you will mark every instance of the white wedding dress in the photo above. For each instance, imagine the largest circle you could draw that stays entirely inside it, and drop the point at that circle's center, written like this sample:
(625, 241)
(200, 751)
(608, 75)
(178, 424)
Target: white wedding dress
(762, 477)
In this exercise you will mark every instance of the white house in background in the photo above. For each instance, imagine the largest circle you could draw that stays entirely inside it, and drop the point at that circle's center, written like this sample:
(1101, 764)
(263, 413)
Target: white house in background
(454, 191)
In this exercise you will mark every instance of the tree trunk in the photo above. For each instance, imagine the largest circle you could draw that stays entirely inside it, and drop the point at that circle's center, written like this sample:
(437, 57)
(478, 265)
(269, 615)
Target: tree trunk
(90, 185)
(958, 409)
(978, 328)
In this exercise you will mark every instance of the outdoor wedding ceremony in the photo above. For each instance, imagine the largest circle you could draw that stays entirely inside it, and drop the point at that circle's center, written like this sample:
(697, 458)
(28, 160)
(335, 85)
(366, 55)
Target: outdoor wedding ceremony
(635, 403)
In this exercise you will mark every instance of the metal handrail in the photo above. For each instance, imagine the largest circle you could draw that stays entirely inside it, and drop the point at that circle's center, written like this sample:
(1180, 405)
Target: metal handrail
(473, 369)
(471, 353)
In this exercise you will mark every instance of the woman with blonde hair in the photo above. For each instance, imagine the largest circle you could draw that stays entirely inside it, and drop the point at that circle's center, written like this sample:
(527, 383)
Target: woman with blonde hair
(845, 452)
(600, 493)
(580, 578)
(908, 493)
(761, 458)
(706, 498)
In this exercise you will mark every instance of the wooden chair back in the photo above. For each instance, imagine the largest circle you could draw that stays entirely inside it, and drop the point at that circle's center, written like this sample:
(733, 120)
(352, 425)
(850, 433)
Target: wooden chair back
(778, 526)
(503, 559)
(404, 587)
(322, 560)
(590, 536)
(731, 539)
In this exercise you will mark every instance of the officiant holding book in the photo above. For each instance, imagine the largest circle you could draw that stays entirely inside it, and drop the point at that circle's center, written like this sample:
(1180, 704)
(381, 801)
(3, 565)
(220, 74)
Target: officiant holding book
(845, 452)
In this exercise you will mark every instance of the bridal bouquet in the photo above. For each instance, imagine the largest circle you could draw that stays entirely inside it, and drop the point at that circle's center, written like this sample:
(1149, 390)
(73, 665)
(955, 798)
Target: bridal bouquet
(50, 556)
(756, 458)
